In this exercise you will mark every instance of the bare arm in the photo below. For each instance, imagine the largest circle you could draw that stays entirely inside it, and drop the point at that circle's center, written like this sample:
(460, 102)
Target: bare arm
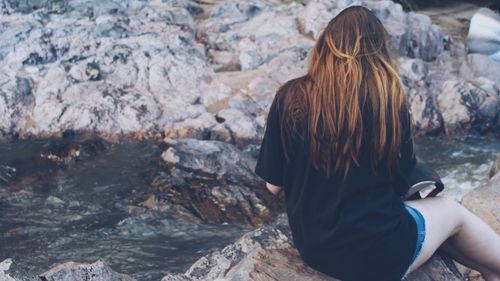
(274, 189)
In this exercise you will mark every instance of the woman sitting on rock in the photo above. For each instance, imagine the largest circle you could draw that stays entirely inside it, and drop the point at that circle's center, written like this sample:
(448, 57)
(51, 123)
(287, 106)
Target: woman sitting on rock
(338, 142)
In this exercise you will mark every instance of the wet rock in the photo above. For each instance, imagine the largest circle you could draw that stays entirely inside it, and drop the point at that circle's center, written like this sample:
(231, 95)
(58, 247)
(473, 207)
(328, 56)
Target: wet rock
(483, 201)
(212, 180)
(469, 105)
(49, 157)
(267, 253)
(72, 148)
(4, 267)
(70, 271)
(495, 168)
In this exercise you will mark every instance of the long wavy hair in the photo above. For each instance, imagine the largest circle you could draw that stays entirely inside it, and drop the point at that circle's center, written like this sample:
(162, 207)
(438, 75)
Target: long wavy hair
(351, 96)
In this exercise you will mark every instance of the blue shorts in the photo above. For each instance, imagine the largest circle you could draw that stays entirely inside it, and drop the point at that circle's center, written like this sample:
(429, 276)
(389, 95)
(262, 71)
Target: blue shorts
(420, 221)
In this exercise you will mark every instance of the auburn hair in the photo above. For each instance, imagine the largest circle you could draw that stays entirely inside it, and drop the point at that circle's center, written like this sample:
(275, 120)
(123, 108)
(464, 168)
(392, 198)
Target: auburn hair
(350, 97)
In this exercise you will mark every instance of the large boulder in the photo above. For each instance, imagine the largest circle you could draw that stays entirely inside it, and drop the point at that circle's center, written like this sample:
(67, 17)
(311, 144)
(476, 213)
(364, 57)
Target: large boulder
(211, 181)
(267, 253)
(474, 104)
(416, 79)
(242, 36)
(111, 67)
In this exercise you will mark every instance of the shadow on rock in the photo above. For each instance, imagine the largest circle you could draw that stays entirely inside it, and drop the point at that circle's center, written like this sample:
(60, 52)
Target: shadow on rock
(212, 181)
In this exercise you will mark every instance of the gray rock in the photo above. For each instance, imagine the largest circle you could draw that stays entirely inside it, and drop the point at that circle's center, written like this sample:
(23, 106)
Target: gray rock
(213, 181)
(480, 65)
(495, 168)
(28, 6)
(70, 271)
(415, 76)
(267, 253)
(4, 267)
(107, 67)
(243, 36)
(469, 105)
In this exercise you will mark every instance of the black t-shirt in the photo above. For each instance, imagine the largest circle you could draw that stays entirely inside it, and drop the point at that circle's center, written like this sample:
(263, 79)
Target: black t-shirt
(352, 229)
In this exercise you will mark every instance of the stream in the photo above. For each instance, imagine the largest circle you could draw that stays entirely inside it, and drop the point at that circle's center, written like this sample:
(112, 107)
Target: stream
(82, 212)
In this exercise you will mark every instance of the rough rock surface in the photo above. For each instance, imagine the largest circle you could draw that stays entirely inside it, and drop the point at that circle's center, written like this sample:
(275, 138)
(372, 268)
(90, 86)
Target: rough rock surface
(111, 67)
(71, 271)
(416, 79)
(127, 67)
(267, 253)
(495, 168)
(477, 65)
(212, 181)
(483, 201)
(470, 104)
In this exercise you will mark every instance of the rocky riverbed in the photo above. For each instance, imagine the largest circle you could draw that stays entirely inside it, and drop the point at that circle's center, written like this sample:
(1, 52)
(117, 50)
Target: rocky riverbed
(190, 82)
(145, 214)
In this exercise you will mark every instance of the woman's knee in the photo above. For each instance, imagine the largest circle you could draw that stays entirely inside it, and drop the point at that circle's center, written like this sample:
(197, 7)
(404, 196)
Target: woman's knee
(454, 212)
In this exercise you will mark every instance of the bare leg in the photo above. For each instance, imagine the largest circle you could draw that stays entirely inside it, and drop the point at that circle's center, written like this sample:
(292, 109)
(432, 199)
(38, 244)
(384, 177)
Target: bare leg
(446, 219)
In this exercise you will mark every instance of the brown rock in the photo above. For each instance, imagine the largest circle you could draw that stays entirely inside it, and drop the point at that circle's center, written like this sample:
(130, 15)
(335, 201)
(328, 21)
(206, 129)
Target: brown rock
(483, 201)
(213, 181)
(267, 253)
(495, 168)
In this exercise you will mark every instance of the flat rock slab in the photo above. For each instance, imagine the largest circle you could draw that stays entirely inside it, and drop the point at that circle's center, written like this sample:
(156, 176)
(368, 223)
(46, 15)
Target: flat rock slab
(267, 253)
(483, 202)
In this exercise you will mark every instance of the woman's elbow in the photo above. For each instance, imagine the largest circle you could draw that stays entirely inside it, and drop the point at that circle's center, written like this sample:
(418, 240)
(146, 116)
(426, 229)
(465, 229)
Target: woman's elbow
(274, 189)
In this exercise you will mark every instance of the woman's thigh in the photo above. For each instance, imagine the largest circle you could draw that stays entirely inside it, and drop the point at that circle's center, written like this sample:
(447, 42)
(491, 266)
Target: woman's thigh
(443, 218)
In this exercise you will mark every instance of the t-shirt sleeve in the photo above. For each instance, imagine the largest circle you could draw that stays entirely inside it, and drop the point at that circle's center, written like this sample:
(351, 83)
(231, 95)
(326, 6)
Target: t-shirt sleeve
(407, 159)
(271, 161)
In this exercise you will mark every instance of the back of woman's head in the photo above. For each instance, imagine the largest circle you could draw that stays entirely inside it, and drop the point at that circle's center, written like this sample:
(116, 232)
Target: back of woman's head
(351, 96)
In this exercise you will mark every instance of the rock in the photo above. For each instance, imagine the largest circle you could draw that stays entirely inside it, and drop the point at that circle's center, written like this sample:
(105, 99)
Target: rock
(111, 68)
(267, 253)
(28, 6)
(70, 271)
(480, 65)
(495, 168)
(483, 201)
(410, 34)
(243, 36)
(213, 181)
(415, 76)
(45, 159)
(4, 267)
(469, 105)
(125, 68)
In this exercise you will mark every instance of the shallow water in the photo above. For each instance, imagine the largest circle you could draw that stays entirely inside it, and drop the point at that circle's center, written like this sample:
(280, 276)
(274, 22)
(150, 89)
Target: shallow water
(80, 213)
